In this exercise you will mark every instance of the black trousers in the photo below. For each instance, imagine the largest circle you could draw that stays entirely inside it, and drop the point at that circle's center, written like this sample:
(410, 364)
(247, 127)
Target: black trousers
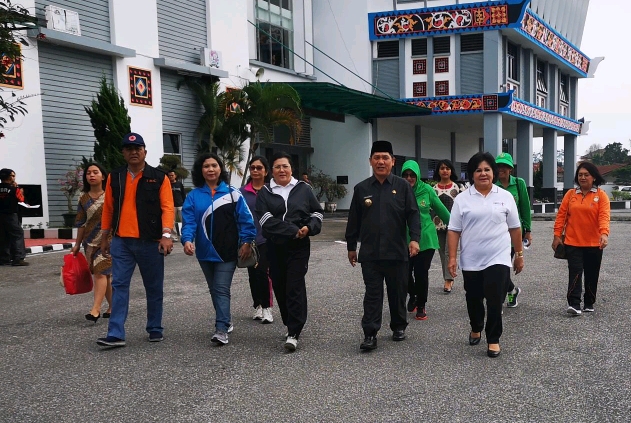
(12, 246)
(260, 282)
(581, 260)
(418, 276)
(288, 265)
(395, 273)
(490, 285)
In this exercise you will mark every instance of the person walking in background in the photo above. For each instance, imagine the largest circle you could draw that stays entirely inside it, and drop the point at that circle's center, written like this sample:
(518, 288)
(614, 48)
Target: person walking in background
(290, 214)
(583, 217)
(383, 212)
(446, 188)
(484, 219)
(518, 189)
(178, 200)
(258, 276)
(137, 220)
(427, 200)
(305, 179)
(218, 221)
(12, 248)
(88, 222)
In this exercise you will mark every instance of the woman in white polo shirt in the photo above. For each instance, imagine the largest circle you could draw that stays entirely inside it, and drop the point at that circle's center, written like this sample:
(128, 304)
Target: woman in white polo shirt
(485, 220)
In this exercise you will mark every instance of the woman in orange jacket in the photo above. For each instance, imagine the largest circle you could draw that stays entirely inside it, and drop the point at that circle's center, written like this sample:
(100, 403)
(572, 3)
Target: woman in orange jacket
(584, 217)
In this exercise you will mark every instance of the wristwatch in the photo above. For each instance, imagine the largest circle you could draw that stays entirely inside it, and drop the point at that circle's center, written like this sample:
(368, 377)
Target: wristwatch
(166, 235)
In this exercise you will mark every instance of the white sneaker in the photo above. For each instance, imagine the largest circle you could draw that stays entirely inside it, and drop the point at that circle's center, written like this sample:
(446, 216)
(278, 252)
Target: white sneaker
(291, 343)
(220, 338)
(571, 310)
(258, 313)
(230, 328)
(267, 315)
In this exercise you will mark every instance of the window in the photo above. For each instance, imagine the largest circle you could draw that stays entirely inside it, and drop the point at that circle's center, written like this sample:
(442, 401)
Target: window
(471, 43)
(171, 144)
(541, 100)
(387, 49)
(542, 86)
(564, 96)
(512, 62)
(419, 47)
(442, 45)
(564, 109)
(274, 17)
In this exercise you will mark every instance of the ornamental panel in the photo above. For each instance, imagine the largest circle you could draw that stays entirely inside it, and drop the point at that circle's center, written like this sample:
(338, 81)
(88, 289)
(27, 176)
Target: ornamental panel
(441, 65)
(419, 66)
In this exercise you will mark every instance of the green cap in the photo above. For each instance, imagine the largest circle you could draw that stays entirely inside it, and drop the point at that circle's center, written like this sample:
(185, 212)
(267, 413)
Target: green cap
(505, 159)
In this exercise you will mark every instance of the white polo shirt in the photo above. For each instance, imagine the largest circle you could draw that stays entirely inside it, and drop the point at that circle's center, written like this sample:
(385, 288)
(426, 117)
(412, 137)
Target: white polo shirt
(483, 223)
(283, 191)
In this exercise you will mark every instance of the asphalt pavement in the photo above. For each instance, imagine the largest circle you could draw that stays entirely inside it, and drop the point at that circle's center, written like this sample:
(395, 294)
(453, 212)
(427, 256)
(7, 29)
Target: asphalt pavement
(553, 368)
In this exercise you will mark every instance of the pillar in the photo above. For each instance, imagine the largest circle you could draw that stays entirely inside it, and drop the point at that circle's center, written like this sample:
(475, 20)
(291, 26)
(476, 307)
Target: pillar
(431, 92)
(524, 151)
(549, 165)
(569, 158)
(493, 133)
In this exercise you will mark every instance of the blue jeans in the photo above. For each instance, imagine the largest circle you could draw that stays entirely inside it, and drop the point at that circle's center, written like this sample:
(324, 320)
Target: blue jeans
(126, 253)
(219, 278)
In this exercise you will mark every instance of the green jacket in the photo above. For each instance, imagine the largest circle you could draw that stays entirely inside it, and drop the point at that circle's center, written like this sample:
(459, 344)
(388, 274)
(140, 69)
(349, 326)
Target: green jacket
(517, 187)
(426, 199)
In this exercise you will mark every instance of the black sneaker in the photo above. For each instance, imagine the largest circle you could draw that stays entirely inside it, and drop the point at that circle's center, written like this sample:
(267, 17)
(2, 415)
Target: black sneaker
(111, 341)
(511, 300)
(155, 336)
(412, 304)
(370, 343)
(19, 263)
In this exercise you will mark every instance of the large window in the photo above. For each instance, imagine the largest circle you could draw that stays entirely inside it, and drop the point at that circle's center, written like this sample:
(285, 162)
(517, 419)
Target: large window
(275, 35)
(171, 144)
(512, 62)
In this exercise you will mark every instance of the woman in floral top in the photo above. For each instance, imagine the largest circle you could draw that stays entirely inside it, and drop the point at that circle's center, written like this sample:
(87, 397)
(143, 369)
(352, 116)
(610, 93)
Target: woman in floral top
(88, 222)
(447, 189)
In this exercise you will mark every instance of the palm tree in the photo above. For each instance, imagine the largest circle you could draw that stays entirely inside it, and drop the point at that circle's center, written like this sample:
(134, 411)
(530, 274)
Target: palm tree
(265, 105)
(207, 90)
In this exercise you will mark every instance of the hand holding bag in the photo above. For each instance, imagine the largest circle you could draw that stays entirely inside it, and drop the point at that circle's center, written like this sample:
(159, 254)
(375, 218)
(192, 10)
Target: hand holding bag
(76, 275)
(559, 253)
(251, 261)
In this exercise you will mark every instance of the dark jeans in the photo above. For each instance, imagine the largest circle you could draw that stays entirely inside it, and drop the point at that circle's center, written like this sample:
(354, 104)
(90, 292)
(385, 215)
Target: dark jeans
(418, 276)
(126, 253)
(489, 284)
(11, 238)
(582, 260)
(260, 282)
(288, 267)
(395, 273)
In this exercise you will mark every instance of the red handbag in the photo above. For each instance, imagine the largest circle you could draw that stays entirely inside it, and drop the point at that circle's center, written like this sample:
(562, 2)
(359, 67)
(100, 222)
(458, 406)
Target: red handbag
(75, 274)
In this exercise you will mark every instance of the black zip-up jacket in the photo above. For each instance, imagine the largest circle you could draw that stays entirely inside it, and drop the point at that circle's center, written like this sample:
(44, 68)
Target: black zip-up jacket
(148, 207)
(281, 220)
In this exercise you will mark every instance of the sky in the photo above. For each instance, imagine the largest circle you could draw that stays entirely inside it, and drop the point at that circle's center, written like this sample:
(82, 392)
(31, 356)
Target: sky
(605, 100)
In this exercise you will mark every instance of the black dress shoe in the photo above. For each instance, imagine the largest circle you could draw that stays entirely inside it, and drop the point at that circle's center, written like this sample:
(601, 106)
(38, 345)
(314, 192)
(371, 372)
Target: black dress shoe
(398, 335)
(493, 354)
(370, 343)
(474, 341)
(92, 318)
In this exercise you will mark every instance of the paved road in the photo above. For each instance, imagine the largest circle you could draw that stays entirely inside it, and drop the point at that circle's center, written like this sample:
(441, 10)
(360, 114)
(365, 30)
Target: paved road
(553, 368)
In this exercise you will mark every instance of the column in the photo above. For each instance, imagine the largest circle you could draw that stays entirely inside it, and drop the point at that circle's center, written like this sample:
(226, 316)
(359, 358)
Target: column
(402, 75)
(492, 61)
(528, 84)
(569, 159)
(417, 142)
(523, 155)
(549, 165)
(431, 92)
(493, 133)
(453, 148)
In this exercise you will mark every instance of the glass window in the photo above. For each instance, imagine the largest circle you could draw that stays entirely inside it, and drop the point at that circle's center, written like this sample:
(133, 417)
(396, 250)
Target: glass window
(171, 144)
(542, 86)
(275, 35)
(563, 89)
(512, 63)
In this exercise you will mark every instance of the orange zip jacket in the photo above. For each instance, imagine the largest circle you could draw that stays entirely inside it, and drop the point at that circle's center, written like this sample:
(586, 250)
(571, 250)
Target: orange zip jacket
(128, 227)
(587, 217)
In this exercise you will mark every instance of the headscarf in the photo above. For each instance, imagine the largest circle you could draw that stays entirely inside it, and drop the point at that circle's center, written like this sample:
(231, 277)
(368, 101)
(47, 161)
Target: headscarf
(419, 187)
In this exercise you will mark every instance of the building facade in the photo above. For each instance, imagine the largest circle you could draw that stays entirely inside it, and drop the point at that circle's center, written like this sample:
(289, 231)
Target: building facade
(494, 74)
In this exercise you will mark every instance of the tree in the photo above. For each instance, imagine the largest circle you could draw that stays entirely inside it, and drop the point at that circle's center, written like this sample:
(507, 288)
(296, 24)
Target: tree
(614, 154)
(110, 119)
(171, 162)
(265, 106)
(12, 18)
(622, 175)
(208, 92)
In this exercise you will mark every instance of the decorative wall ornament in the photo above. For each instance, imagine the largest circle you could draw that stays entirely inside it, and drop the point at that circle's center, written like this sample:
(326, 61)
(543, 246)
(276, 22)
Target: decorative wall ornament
(532, 112)
(450, 104)
(419, 66)
(141, 93)
(419, 89)
(441, 64)
(445, 19)
(12, 72)
(441, 88)
(536, 29)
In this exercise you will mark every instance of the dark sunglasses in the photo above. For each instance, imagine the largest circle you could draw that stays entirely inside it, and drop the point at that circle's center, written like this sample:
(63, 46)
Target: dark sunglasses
(259, 168)
(409, 174)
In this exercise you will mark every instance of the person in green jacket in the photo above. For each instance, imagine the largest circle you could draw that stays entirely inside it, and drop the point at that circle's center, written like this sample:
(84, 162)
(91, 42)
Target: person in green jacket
(419, 265)
(517, 187)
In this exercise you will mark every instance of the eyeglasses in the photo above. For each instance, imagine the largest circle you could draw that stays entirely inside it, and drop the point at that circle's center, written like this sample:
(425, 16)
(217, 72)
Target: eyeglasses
(409, 175)
(279, 167)
(258, 168)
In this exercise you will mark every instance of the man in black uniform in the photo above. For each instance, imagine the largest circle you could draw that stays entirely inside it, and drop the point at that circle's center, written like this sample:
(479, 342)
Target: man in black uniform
(12, 249)
(177, 188)
(382, 209)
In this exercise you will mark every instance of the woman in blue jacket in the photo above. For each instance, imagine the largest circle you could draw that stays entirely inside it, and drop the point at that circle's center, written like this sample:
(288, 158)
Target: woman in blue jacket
(216, 217)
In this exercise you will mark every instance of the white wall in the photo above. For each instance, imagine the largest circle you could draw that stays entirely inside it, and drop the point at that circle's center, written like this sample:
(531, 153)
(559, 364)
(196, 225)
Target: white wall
(466, 146)
(401, 135)
(435, 144)
(22, 149)
(342, 149)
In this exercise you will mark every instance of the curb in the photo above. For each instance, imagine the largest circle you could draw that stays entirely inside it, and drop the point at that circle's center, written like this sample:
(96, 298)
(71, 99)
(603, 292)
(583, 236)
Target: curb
(38, 249)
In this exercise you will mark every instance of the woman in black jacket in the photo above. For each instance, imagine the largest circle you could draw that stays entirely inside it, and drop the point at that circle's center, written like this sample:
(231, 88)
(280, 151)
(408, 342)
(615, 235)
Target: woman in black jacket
(289, 215)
